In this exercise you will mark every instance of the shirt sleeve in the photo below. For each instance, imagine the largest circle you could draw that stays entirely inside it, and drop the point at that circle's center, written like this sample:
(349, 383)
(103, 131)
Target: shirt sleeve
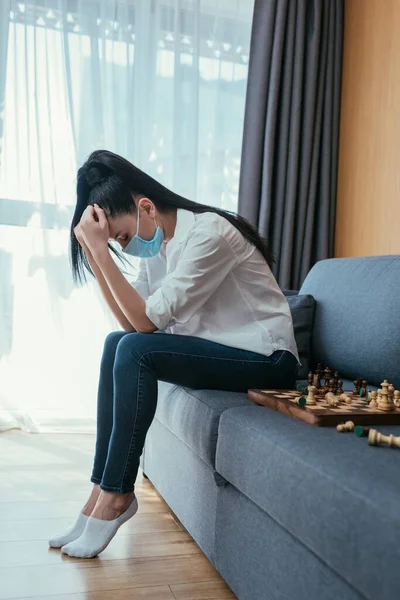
(205, 262)
(141, 284)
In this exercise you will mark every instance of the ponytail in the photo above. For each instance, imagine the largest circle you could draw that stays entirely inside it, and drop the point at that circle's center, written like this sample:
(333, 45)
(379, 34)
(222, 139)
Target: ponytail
(112, 182)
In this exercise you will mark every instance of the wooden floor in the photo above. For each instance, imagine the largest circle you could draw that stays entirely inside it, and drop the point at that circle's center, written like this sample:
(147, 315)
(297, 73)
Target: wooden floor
(44, 481)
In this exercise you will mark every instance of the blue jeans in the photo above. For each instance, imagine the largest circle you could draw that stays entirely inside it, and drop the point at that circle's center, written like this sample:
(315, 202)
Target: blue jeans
(131, 365)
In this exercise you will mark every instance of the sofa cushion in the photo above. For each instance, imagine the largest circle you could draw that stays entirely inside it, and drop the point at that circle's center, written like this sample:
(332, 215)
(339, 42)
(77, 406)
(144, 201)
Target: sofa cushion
(193, 415)
(357, 318)
(302, 308)
(333, 492)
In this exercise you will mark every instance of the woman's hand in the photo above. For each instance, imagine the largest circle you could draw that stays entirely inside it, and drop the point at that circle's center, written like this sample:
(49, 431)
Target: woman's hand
(94, 230)
(79, 236)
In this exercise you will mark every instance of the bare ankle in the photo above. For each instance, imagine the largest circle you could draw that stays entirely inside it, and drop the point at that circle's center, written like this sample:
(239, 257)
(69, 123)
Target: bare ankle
(91, 503)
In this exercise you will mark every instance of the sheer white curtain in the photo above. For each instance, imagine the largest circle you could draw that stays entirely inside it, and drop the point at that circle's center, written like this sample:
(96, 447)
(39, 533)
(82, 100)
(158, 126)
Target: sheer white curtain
(161, 82)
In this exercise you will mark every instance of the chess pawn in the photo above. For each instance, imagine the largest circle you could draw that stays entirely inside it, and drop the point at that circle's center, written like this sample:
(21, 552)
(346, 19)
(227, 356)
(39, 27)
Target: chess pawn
(311, 401)
(363, 389)
(316, 381)
(396, 398)
(331, 386)
(345, 398)
(372, 397)
(310, 378)
(327, 375)
(340, 387)
(357, 385)
(348, 426)
(384, 403)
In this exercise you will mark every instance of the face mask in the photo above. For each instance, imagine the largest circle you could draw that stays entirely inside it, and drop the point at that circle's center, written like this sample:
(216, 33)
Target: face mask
(145, 248)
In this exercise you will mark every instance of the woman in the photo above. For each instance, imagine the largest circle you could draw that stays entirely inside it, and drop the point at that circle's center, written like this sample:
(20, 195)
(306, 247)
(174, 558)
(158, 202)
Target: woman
(205, 286)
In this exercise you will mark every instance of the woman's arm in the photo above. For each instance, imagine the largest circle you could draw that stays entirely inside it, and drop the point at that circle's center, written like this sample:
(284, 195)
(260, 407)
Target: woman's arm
(129, 300)
(118, 313)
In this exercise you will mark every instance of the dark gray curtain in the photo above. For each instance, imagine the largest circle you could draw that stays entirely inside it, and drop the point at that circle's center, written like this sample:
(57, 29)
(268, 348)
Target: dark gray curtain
(290, 144)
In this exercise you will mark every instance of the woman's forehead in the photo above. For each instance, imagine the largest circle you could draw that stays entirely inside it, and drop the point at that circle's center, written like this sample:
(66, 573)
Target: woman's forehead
(120, 221)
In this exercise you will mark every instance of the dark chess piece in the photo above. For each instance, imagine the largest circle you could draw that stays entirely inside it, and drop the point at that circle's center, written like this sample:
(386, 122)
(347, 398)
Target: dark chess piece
(357, 386)
(331, 386)
(317, 380)
(340, 387)
(310, 378)
(327, 374)
(336, 378)
(363, 389)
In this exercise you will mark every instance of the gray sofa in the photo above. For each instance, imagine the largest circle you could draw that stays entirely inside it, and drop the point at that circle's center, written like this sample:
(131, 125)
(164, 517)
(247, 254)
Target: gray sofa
(285, 510)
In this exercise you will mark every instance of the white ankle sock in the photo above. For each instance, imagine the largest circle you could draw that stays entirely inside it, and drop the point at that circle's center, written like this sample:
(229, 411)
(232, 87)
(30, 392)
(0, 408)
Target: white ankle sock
(98, 534)
(71, 534)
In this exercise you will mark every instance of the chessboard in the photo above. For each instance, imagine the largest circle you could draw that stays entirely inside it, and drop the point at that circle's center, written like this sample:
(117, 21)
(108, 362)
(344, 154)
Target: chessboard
(322, 414)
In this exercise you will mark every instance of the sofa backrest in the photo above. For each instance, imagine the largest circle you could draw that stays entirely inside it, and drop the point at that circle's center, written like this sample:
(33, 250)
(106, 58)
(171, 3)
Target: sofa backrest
(357, 318)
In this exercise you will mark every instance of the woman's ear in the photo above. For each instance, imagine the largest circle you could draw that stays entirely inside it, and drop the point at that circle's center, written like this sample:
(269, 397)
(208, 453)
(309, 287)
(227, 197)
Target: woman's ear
(147, 206)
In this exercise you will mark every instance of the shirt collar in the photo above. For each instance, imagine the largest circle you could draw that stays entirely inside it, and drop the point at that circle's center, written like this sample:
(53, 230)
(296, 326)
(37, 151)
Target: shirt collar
(184, 221)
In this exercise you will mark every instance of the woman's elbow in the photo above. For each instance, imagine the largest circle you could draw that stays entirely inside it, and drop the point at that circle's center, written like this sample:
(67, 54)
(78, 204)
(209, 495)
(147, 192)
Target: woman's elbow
(146, 326)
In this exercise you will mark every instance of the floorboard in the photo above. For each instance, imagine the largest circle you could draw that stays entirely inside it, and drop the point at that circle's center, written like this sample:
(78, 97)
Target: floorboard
(44, 481)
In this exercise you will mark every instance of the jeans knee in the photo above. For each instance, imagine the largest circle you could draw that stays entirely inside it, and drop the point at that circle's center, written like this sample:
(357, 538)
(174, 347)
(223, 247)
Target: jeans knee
(111, 343)
(134, 346)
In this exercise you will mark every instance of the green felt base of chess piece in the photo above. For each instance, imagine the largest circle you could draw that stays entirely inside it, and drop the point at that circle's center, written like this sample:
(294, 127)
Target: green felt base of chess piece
(361, 431)
(302, 389)
(302, 401)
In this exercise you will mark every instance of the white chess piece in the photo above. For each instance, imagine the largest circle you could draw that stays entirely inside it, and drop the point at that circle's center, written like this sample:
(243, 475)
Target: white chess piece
(311, 401)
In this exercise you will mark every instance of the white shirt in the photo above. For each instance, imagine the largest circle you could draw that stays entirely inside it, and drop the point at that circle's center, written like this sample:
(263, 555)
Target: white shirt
(210, 282)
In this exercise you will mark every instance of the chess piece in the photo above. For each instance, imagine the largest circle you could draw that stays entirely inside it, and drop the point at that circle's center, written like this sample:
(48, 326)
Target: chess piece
(363, 389)
(301, 401)
(331, 399)
(340, 386)
(372, 400)
(311, 401)
(310, 379)
(327, 375)
(302, 389)
(361, 431)
(316, 381)
(396, 398)
(375, 438)
(391, 394)
(357, 385)
(336, 380)
(348, 426)
(385, 404)
(331, 386)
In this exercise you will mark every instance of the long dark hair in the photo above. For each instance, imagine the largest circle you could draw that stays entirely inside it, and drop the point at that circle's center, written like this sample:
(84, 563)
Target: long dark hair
(112, 182)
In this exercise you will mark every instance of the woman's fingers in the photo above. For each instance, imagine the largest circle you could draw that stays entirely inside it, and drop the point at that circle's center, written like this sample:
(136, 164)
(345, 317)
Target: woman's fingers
(99, 212)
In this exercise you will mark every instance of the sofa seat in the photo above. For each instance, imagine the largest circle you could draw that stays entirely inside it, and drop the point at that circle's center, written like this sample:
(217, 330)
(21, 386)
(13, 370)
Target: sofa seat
(193, 415)
(338, 496)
